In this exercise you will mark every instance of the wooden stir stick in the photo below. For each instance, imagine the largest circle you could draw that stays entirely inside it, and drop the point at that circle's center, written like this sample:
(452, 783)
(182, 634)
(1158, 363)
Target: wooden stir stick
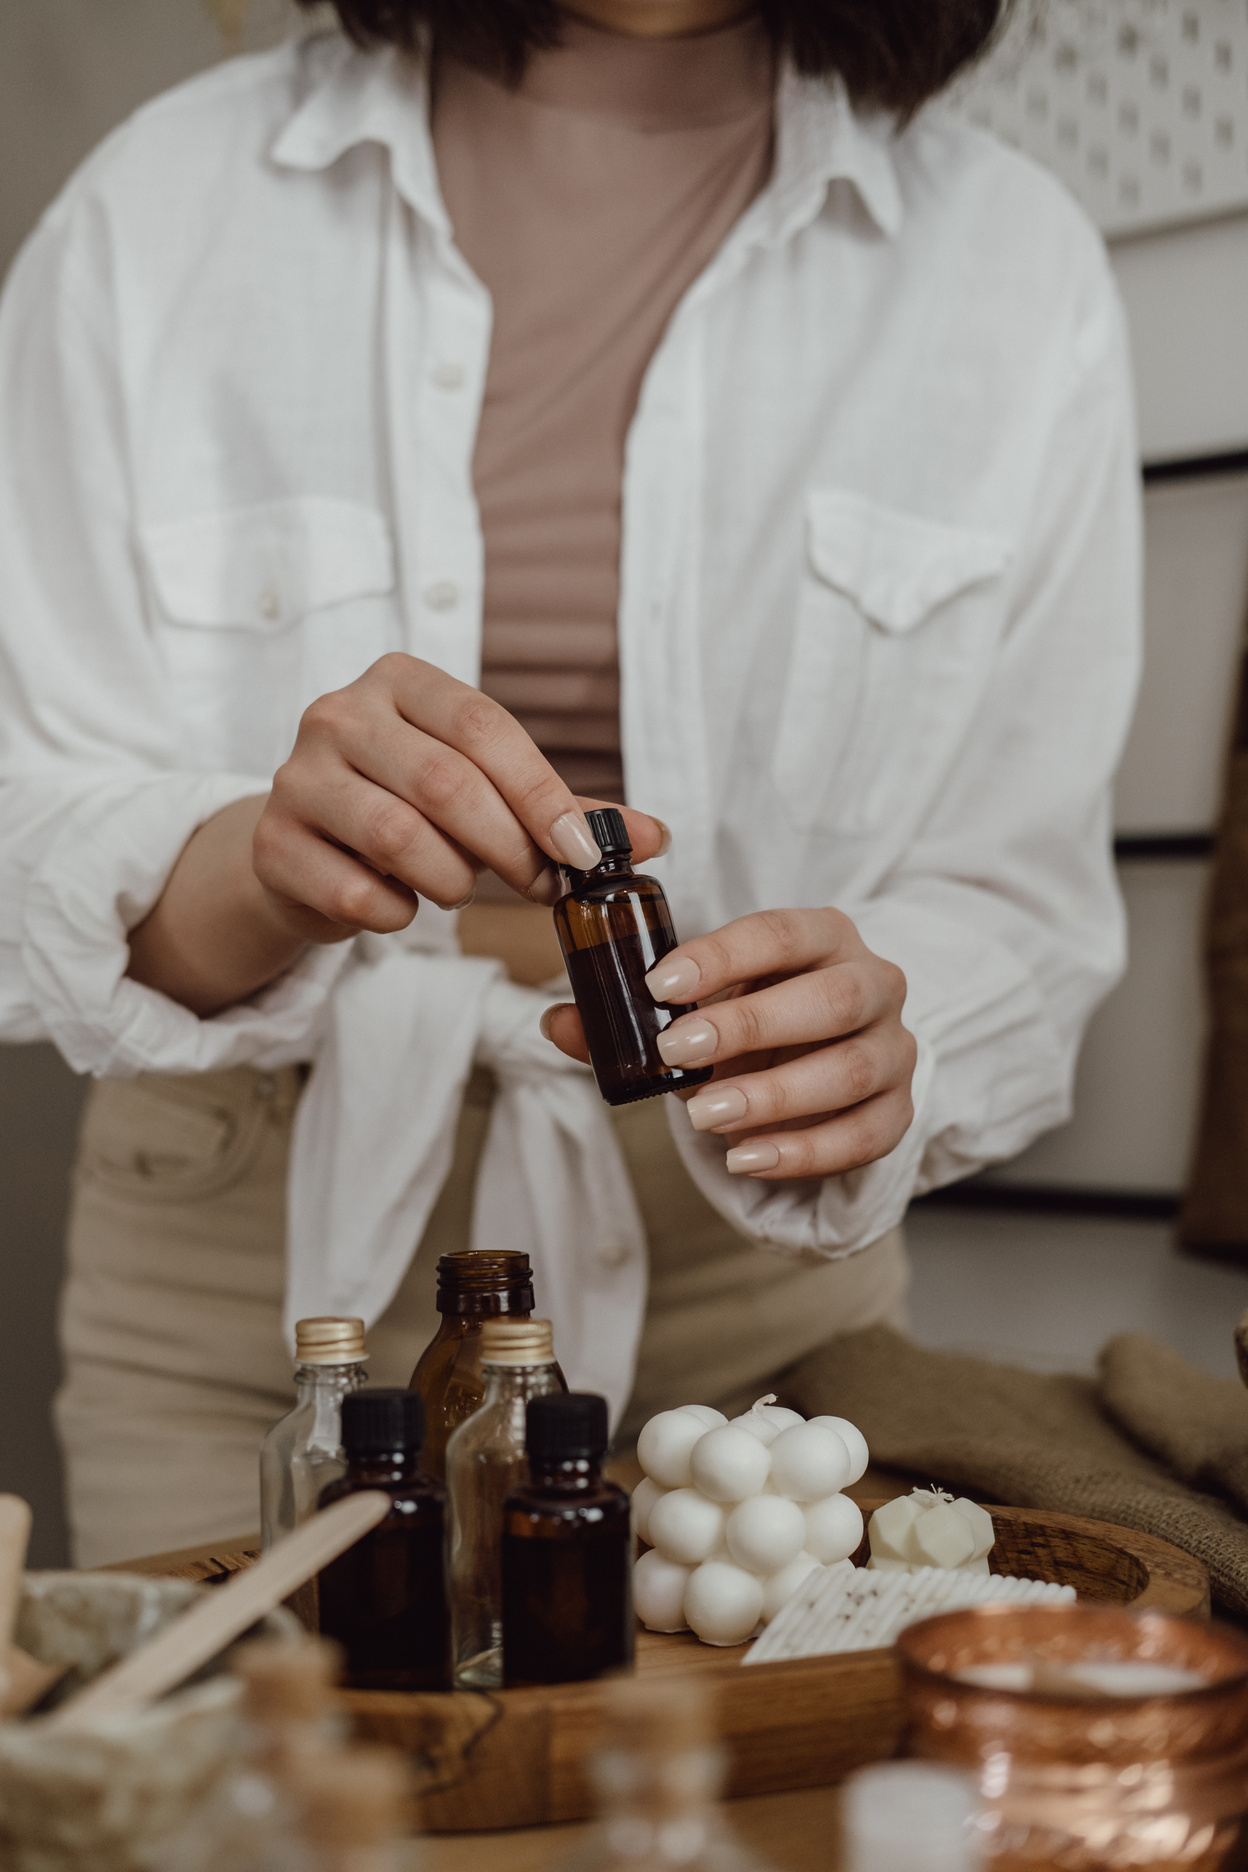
(23, 1679)
(224, 1613)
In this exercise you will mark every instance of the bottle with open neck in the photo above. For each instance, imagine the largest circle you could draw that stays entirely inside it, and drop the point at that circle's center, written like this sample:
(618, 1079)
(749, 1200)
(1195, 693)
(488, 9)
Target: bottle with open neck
(658, 1773)
(303, 1450)
(485, 1459)
(473, 1286)
(613, 926)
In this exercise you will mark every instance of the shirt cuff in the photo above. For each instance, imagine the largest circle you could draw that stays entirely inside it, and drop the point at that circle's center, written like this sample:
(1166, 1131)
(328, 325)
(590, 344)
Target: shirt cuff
(101, 875)
(812, 1218)
(990, 1075)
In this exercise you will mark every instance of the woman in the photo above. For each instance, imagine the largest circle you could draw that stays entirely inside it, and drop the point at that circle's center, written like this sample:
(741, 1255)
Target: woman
(415, 434)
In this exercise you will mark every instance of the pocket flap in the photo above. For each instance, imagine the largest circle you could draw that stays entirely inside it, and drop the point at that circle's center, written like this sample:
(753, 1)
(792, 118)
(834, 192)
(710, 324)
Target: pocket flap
(896, 566)
(261, 567)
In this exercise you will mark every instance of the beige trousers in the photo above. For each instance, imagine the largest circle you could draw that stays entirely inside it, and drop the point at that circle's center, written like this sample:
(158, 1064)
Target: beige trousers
(175, 1365)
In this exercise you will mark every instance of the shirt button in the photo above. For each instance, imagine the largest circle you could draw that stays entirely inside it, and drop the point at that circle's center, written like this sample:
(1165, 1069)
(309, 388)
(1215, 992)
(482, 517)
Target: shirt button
(270, 604)
(266, 1086)
(613, 1254)
(443, 596)
(449, 375)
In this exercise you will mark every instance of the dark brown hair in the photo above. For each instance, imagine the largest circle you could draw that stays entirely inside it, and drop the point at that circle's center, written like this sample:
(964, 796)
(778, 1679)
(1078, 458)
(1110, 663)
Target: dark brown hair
(894, 53)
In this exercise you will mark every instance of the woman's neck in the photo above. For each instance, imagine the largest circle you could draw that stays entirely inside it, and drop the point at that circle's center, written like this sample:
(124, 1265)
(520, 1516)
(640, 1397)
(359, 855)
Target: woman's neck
(660, 19)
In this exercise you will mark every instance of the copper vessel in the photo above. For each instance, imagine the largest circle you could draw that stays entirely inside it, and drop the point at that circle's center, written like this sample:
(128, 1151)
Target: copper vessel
(1082, 1781)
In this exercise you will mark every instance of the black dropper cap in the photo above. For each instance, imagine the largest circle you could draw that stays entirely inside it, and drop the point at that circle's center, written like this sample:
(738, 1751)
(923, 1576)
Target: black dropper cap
(377, 1421)
(609, 832)
(563, 1426)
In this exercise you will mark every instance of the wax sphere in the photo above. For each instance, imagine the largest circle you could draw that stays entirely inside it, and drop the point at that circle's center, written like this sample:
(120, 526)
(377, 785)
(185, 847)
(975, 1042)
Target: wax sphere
(685, 1527)
(729, 1464)
(705, 1414)
(851, 1436)
(807, 1462)
(780, 1588)
(664, 1447)
(659, 1592)
(833, 1529)
(723, 1603)
(766, 1419)
(645, 1495)
(765, 1533)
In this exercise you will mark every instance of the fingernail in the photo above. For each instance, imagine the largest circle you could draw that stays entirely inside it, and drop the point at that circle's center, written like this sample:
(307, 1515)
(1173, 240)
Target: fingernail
(665, 842)
(571, 837)
(685, 1044)
(760, 1156)
(465, 901)
(547, 886)
(675, 981)
(715, 1107)
(548, 1016)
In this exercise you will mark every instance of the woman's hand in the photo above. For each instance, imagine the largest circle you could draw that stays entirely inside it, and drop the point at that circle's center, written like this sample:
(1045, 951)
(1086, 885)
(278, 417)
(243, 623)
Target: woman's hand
(404, 783)
(409, 782)
(802, 1024)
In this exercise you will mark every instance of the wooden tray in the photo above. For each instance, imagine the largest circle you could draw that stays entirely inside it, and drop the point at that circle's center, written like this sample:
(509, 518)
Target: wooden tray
(518, 1757)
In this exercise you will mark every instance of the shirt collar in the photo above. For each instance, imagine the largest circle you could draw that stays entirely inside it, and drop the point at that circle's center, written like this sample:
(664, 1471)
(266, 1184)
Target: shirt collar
(360, 97)
(821, 139)
(382, 97)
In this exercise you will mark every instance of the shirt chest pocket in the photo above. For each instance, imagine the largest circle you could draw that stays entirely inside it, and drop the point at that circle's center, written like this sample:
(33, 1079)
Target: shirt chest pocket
(229, 588)
(895, 620)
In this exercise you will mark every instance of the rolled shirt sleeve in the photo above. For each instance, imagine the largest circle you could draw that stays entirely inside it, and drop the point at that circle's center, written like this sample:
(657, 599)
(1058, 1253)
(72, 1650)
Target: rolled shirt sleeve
(95, 800)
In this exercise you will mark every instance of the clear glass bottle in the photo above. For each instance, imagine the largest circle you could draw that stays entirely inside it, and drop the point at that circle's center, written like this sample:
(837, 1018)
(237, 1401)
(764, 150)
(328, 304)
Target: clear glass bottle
(287, 1727)
(472, 1287)
(613, 926)
(485, 1459)
(567, 1551)
(658, 1774)
(910, 1816)
(303, 1450)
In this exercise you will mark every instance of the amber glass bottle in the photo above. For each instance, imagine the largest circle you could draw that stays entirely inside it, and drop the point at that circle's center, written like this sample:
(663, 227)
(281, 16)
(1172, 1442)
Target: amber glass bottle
(385, 1599)
(613, 927)
(472, 1287)
(567, 1551)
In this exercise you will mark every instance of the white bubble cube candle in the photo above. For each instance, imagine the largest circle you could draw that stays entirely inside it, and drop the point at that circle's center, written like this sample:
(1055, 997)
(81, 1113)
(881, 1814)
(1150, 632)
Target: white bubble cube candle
(738, 1514)
(929, 1528)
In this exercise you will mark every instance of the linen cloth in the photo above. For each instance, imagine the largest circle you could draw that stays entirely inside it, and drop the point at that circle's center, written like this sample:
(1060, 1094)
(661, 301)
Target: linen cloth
(878, 618)
(1150, 1443)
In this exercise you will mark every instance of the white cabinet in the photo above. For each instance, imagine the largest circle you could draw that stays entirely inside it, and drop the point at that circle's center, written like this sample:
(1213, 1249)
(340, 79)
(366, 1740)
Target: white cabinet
(1195, 605)
(1138, 1084)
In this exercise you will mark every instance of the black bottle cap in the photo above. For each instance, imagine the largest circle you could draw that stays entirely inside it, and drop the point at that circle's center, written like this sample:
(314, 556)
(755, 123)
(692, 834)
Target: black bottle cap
(377, 1421)
(564, 1425)
(609, 831)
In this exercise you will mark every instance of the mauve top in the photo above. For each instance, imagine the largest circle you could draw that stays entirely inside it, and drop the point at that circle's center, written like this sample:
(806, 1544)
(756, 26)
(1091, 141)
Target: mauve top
(587, 198)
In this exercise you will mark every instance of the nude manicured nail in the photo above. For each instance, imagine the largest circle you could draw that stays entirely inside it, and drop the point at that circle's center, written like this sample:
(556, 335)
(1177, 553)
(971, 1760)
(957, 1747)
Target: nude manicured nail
(665, 842)
(675, 981)
(547, 886)
(548, 1017)
(572, 839)
(465, 901)
(760, 1156)
(716, 1107)
(687, 1043)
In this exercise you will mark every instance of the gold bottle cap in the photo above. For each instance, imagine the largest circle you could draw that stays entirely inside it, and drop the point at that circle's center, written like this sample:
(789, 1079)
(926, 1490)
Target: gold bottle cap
(358, 1795)
(516, 1342)
(329, 1341)
(287, 1680)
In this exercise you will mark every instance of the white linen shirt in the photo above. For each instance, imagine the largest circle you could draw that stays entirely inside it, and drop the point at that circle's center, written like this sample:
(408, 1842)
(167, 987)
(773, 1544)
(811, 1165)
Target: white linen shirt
(878, 629)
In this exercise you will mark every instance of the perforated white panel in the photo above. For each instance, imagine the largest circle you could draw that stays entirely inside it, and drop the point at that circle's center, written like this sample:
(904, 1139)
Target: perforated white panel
(1141, 106)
